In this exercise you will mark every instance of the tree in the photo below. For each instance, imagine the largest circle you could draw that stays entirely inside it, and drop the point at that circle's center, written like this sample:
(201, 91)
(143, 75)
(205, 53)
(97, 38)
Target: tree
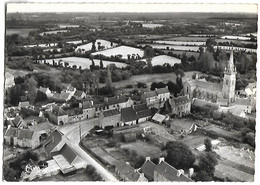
(31, 84)
(149, 65)
(101, 64)
(208, 144)
(40, 96)
(207, 163)
(179, 155)
(109, 79)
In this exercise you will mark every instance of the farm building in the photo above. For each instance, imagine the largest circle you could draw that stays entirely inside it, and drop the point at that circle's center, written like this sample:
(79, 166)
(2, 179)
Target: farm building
(148, 169)
(158, 118)
(109, 118)
(129, 116)
(58, 116)
(88, 109)
(118, 102)
(179, 105)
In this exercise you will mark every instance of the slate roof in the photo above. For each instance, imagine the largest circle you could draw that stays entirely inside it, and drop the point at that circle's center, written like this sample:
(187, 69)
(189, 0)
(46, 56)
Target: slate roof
(64, 95)
(128, 114)
(170, 173)
(43, 89)
(25, 134)
(110, 113)
(158, 117)
(68, 153)
(145, 113)
(149, 94)
(148, 169)
(73, 112)
(205, 85)
(16, 120)
(140, 107)
(56, 96)
(53, 140)
(78, 93)
(24, 104)
(58, 111)
(127, 170)
(162, 90)
(87, 105)
(241, 101)
(11, 132)
(116, 100)
(179, 100)
(41, 126)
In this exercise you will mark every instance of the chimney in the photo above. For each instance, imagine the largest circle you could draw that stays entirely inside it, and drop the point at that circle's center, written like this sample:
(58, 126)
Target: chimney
(148, 158)
(91, 102)
(180, 172)
(161, 159)
(191, 171)
(127, 163)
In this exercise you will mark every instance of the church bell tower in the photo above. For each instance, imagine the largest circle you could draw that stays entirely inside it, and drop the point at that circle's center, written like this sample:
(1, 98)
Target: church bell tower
(229, 81)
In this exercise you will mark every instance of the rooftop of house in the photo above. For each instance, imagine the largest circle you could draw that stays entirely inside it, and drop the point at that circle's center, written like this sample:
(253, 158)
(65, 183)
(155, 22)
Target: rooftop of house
(73, 112)
(25, 134)
(17, 121)
(140, 107)
(68, 153)
(222, 101)
(116, 99)
(148, 168)
(128, 114)
(64, 95)
(251, 86)
(78, 93)
(43, 89)
(127, 170)
(11, 131)
(58, 111)
(179, 100)
(87, 104)
(205, 85)
(162, 90)
(145, 113)
(53, 140)
(158, 117)
(170, 173)
(41, 126)
(109, 113)
(149, 94)
(242, 101)
(24, 104)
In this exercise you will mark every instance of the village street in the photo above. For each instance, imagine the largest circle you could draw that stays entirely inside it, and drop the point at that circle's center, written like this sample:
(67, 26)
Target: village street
(72, 138)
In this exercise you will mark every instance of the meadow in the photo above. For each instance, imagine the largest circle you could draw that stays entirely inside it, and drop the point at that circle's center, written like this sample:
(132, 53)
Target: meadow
(162, 59)
(52, 32)
(21, 32)
(106, 44)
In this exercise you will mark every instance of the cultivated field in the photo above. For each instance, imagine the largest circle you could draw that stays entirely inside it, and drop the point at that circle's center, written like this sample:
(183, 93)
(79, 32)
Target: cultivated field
(87, 47)
(184, 43)
(83, 62)
(53, 32)
(152, 25)
(162, 59)
(235, 37)
(21, 32)
(167, 46)
(188, 53)
(67, 26)
(121, 50)
(191, 39)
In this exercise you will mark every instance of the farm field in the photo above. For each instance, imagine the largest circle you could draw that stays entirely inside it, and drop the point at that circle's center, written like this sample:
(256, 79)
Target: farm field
(237, 48)
(76, 41)
(235, 37)
(87, 47)
(191, 39)
(162, 59)
(21, 32)
(83, 62)
(52, 32)
(236, 41)
(188, 53)
(143, 148)
(75, 177)
(147, 25)
(51, 49)
(121, 50)
(183, 48)
(41, 45)
(184, 43)
(67, 26)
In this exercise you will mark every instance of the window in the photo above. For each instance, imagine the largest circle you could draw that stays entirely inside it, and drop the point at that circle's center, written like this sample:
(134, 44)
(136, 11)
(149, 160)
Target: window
(226, 82)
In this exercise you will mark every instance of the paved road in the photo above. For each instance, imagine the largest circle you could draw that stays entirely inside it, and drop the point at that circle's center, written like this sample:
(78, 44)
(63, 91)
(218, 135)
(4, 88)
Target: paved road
(72, 139)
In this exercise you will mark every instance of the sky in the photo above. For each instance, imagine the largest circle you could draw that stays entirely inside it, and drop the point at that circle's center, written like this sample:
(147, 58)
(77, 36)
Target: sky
(127, 7)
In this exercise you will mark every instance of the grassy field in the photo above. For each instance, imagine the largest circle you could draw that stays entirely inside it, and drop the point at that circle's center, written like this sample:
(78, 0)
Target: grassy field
(173, 47)
(162, 59)
(188, 53)
(52, 32)
(121, 50)
(194, 39)
(21, 32)
(143, 148)
(88, 46)
(75, 177)
(152, 25)
(198, 43)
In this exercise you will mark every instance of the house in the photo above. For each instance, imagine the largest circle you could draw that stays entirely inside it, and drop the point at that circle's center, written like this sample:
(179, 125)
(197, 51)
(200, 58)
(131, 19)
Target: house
(54, 143)
(24, 138)
(143, 112)
(18, 122)
(43, 129)
(74, 115)
(158, 118)
(165, 172)
(243, 104)
(148, 169)
(58, 116)
(80, 94)
(89, 110)
(150, 98)
(46, 91)
(251, 90)
(238, 112)
(129, 116)
(163, 94)
(109, 118)
(25, 104)
(127, 172)
(118, 102)
(180, 105)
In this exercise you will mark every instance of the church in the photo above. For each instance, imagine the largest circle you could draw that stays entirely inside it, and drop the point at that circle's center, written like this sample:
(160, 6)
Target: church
(222, 93)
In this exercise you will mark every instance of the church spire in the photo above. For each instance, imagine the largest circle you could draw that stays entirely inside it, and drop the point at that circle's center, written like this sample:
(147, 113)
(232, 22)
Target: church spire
(230, 64)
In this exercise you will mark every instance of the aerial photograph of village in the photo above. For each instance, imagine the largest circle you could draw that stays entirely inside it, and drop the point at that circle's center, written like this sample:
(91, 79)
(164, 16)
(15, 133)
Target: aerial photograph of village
(95, 92)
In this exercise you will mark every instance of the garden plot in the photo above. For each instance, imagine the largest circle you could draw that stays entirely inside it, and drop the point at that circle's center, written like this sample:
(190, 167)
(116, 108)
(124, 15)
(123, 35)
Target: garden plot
(124, 51)
(143, 148)
(83, 62)
(184, 43)
(103, 43)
